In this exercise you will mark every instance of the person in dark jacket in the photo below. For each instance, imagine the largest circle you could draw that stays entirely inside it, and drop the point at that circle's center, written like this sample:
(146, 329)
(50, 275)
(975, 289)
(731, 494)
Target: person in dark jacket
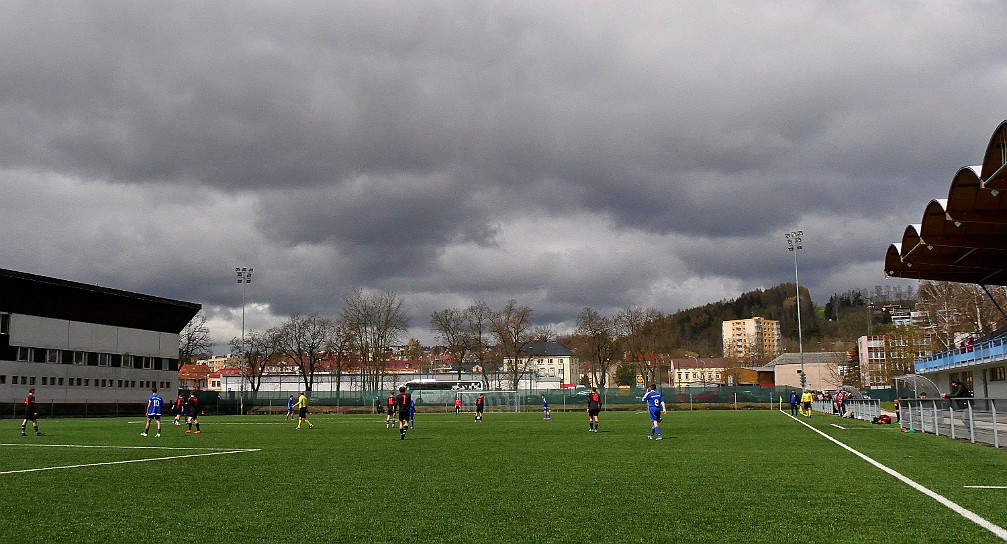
(958, 391)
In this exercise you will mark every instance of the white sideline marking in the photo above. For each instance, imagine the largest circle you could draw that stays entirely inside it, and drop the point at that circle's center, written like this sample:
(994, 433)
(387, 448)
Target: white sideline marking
(24, 445)
(215, 423)
(40, 469)
(985, 486)
(959, 509)
(838, 426)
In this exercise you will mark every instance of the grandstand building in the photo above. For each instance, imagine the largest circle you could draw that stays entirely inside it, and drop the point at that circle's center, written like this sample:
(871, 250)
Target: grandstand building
(76, 342)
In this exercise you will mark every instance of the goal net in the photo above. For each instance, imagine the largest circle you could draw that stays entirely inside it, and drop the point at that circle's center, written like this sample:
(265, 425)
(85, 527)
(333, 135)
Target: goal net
(493, 401)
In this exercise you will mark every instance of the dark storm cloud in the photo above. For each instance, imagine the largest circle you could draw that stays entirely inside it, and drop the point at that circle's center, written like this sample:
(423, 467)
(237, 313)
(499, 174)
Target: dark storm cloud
(566, 154)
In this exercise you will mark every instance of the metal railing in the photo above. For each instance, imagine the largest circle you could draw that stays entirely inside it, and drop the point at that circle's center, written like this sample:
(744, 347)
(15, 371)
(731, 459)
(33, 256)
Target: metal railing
(982, 352)
(976, 420)
(865, 409)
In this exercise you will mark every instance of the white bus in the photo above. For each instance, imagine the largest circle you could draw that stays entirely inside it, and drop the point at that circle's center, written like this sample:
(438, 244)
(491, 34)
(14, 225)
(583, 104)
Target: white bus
(432, 391)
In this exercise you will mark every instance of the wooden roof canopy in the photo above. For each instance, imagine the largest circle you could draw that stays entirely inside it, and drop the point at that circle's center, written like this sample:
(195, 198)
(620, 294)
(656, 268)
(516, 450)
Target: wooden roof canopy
(962, 238)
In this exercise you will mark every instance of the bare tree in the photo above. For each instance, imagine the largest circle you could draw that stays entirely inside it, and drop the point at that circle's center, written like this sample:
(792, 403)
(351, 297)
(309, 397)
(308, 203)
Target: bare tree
(478, 319)
(339, 350)
(259, 351)
(639, 339)
(598, 346)
(304, 340)
(375, 321)
(512, 328)
(194, 340)
(451, 327)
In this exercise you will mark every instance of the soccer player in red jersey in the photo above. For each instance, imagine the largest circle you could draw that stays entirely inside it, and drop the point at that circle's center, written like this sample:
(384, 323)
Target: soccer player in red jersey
(480, 405)
(402, 403)
(192, 413)
(593, 408)
(30, 413)
(390, 409)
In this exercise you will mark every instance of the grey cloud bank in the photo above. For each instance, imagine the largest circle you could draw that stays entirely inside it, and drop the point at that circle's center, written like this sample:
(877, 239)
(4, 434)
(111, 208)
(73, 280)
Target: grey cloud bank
(564, 154)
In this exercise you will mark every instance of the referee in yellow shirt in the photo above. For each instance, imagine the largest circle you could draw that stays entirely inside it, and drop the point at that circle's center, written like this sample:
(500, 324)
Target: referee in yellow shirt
(302, 413)
(806, 399)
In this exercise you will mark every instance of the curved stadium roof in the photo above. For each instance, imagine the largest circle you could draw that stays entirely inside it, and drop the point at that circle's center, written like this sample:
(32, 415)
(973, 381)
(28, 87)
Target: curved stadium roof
(962, 238)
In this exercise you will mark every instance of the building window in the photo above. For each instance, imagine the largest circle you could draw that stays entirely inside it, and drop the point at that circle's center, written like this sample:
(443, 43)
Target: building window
(3, 378)
(148, 362)
(104, 359)
(132, 383)
(4, 323)
(998, 374)
(31, 380)
(23, 354)
(45, 381)
(54, 356)
(79, 358)
(61, 382)
(120, 383)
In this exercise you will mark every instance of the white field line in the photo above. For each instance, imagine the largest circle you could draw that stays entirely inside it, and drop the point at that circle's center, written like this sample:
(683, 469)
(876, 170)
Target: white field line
(83, 465)
(985, 486)
(957, 508)
(838, 426)
(215, 423)
(28, 445)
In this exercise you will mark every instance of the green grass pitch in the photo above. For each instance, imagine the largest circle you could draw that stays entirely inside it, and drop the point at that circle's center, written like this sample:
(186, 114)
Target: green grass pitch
(719, 476)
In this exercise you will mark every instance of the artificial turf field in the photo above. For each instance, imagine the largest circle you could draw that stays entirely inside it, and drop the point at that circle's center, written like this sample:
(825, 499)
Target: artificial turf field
(719, 476)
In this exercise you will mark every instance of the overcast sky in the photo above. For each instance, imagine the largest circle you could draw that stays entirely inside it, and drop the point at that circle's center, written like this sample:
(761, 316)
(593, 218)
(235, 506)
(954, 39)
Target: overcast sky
(562, 154)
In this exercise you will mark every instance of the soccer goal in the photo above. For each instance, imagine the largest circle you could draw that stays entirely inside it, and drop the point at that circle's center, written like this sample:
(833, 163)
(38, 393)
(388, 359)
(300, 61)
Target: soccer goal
(494, 401)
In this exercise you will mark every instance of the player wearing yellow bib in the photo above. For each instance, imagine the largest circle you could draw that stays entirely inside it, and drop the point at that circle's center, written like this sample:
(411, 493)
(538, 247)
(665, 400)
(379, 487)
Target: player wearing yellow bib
(302, 414)
(806, 399)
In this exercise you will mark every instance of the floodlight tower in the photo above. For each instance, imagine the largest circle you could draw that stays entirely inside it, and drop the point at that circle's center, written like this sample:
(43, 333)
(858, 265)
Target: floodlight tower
(795, 244)
(244, 275)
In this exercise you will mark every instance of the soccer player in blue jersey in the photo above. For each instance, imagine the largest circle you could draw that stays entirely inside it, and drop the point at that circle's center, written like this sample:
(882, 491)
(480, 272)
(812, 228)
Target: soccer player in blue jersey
(412, 411)
(154, 404)
(546, 414)
(290, 409)
(655, 404)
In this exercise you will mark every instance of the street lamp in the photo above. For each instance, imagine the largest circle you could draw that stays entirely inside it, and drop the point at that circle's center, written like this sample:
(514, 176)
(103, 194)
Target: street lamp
(795, 244)
(244, 275)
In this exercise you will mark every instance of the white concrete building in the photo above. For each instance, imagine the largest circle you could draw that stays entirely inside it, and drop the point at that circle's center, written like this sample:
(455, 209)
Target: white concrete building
(75, 342)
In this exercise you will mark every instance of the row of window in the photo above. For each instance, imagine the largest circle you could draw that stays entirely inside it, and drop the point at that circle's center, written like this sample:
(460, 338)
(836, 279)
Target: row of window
(53, 381)
(57, 356)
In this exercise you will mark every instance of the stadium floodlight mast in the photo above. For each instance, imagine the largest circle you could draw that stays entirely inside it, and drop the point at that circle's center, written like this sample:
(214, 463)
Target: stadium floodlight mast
(795, 244)
(244, 275)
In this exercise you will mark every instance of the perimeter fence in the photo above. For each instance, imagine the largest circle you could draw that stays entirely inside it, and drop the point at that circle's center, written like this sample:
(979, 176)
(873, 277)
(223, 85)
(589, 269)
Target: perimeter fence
(561, 400)
(982, 420)
(865, 409)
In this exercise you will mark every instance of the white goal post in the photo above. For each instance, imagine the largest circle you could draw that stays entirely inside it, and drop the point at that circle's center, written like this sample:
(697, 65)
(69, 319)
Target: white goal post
(494, 401)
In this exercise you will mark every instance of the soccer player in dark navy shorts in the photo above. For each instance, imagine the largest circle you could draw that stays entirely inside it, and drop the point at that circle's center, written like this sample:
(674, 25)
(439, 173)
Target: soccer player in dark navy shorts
(30, 413)
(593, 409)
(390, 409)
(402, 402)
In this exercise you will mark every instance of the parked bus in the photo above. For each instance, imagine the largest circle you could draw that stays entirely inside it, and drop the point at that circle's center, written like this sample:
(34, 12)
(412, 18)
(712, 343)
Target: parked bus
(431, 391)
